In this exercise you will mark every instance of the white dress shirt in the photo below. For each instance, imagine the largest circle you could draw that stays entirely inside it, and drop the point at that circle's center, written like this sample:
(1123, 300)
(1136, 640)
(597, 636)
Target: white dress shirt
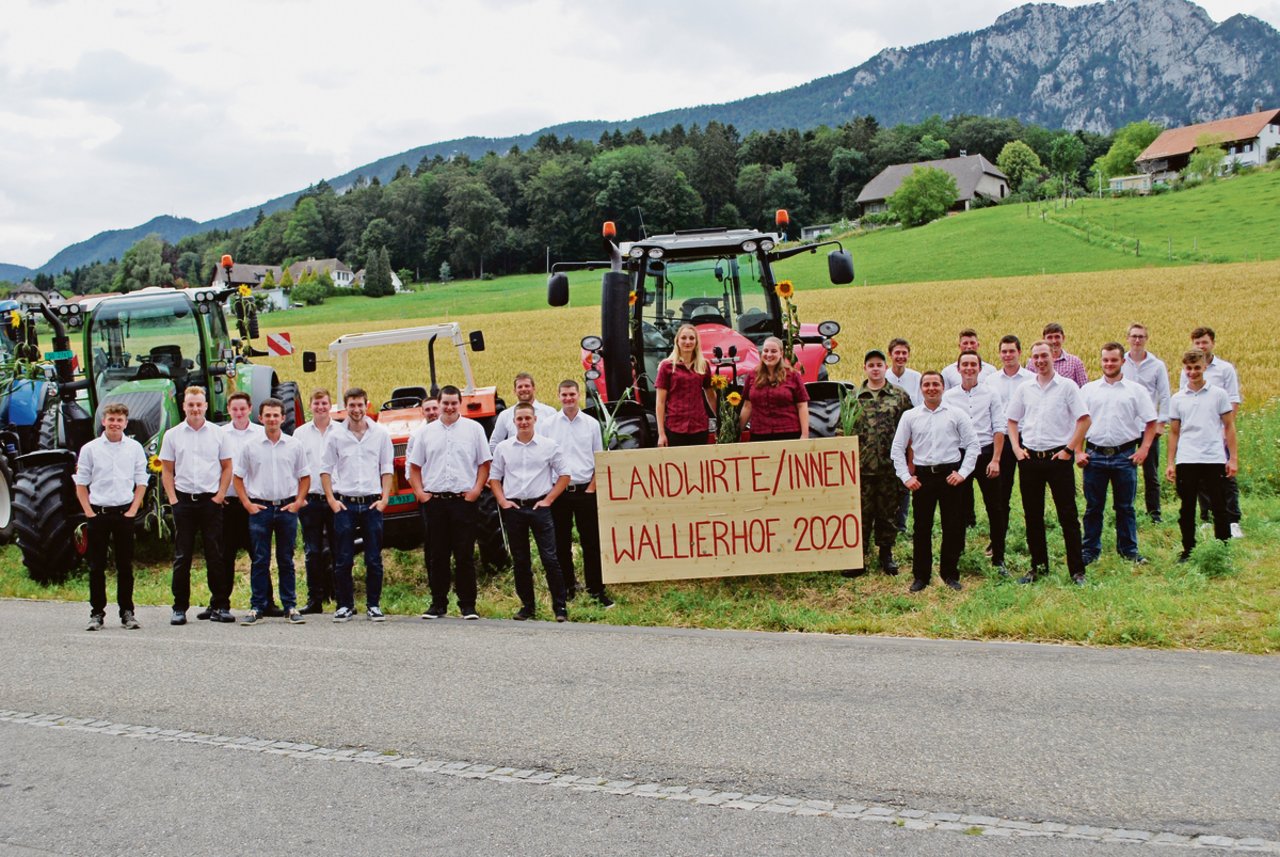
(909, 382)
(935, 437)
(1046, 415)
(579, 440)
(272, 470)
(312, 441)
(236, 441)
(505, 426)
(951, 374)
(1118, 412)
(111, 470)
(1153, 375)
(983, 406)
(450, 455)
(1218, 373)
(1004, 384)
(356, 465)
(527, 470)
(197, 456)
(1199, 415)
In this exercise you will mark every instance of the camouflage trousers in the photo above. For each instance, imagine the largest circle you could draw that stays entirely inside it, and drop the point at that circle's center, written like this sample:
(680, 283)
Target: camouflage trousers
(881, 494)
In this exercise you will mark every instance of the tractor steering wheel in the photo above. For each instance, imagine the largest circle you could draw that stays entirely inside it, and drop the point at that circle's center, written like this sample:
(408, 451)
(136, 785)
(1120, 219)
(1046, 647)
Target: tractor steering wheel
(401, 402)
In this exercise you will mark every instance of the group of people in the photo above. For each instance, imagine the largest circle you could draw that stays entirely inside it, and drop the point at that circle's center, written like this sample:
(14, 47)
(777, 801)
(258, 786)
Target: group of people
(925, 438)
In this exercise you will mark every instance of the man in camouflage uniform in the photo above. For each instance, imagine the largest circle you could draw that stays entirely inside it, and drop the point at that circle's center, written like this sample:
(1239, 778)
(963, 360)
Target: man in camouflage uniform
(883, 405)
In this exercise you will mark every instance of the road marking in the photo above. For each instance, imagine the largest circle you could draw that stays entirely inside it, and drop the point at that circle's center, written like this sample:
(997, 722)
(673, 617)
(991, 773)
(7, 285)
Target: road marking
(905, 817)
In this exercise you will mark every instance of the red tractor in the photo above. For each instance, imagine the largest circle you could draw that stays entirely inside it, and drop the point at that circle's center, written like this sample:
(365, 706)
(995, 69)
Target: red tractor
(722, 282)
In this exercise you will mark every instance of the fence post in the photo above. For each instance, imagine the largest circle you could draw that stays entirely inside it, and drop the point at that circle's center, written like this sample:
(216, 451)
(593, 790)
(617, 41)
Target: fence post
(1137, 246)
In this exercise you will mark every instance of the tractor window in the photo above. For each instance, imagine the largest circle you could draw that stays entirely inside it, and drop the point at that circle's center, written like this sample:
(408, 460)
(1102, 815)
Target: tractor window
(139, 338)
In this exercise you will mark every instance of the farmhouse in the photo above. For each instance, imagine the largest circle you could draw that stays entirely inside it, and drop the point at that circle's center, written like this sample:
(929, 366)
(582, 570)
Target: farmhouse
(975, 177)
(1246, 140)
(395, 281)
(343, 277)
(246, 275)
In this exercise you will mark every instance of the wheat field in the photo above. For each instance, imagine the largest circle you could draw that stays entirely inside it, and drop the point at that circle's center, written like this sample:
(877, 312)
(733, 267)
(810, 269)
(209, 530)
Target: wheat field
(1240, 301)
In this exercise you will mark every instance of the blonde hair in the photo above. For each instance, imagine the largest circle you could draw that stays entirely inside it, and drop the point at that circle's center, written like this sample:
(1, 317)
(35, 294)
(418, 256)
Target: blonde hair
(776, 376)
(699, 361)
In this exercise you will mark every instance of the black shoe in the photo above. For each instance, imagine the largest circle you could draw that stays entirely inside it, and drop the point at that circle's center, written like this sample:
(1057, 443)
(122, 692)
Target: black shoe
(1027, 578)
(917, 585)
(205, 613)
(312, 608)
(1078, 579)
(1089, 560)
(523, 614)
(853, 572)
(571, 592)
(1155, 517)
(1184, 557)
(273, 610)
(434, 613)
(222, 615)
(887, 565)
(95, 622)
(954, 584)
(179, 617)
(252, 617)
(603, 600)
(562, 615)
(1001, 570)
(129, 621)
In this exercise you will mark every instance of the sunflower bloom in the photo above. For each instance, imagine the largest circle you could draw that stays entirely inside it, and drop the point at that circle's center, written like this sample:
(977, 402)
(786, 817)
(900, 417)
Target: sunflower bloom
(785, 289)
(719, 381)
(631, 299)
(734, 399)
(244, 291)
(153, 464)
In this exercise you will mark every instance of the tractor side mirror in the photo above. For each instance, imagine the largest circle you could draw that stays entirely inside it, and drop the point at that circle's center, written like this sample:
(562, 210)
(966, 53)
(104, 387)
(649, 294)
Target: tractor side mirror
(558, 289)
(840, 266)
(477, 340)
(308, 361)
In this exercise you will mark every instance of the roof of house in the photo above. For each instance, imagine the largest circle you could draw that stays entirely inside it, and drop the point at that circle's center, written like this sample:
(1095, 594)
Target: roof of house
(297, 269)
(967, 172)
(1182, 141)
(250, 275)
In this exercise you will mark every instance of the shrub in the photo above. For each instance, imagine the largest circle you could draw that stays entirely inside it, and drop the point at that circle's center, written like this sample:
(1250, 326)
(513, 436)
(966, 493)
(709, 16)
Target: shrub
(309, 293)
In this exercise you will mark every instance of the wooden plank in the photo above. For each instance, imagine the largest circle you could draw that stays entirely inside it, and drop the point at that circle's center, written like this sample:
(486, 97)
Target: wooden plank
(729, 510)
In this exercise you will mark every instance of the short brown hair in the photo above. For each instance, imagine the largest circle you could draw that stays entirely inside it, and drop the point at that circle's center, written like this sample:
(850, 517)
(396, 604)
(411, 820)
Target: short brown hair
(354, 393)
(524, 406)
(899, 341)
(1040, 342)
(1113, 346)
(1052, 327)
(1194, 355)
(968, 331)
(270, 403)
(237, 396)
(935, 372)
(319, 392)
(116, 409)
(1139, 325)
(524, 376)
(969, 352)
(195, 391)
(1204, 331)
(569, 382)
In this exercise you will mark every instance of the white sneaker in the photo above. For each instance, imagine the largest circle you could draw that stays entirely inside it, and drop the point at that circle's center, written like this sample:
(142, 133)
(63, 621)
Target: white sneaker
(343, 614)
(1236, 532)
(375, 614)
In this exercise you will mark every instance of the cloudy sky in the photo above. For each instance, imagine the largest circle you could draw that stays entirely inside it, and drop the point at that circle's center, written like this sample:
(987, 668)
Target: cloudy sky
(114, 112)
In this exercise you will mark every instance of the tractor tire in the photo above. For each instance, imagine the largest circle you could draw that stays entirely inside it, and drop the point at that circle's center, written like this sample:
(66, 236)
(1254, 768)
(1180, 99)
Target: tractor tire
(824, 408)
(6, 502)
(47, 519)
(493, 550)
(292, 398)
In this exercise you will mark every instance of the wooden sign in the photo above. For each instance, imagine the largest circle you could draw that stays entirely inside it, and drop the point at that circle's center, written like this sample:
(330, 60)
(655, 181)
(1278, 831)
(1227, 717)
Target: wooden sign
(729, 510)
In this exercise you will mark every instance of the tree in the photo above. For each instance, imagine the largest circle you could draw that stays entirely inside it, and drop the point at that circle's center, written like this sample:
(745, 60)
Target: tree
(310, 293)
(269, 281)
(1019, 162)
(1066, 156)
(286, 280)
(142, 266)
(377, 276)
(931, 149)
(925, 195)
(1206, 162)
(446, 273)
(477, 222)
(1128, 144)
(304, 236)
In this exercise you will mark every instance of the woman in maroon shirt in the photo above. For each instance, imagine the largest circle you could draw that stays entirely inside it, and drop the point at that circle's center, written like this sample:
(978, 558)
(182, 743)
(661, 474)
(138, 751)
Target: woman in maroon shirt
(777, 403)
(684, 391)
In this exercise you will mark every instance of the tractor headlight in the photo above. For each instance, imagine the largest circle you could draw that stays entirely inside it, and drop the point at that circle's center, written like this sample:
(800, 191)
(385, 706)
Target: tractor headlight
(766, 245)
(592, 343)
(829, 328)
(831, 359)
(655, 253)
(749, 246)
(636, 252)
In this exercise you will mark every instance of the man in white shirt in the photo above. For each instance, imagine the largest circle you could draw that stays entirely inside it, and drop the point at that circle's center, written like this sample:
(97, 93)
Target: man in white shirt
(430, 413)
(315, 516)
(504, 426)
(902, 375)
(1218, 373)
(1004, 381)
(579, 438)
(111, 483)
(357, 475)
(271, 478)
(235, 523)
(527, 476)
(943, 450)
(1122, 426)
(1047, 423)
(195, 472)
(1144, 368)
(968, 341)
(982, 405)
(448, 471)
(1201, 417)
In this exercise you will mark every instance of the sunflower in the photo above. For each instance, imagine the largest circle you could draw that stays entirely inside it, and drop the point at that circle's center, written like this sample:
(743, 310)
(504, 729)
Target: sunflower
(153, 464)
(785, 289)
(719, 382)
(15, 319)
(244, 291)
(734, 399)
(631, 299)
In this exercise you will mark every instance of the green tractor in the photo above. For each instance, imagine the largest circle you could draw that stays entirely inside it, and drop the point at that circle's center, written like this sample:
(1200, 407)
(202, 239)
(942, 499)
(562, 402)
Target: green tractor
(142, 349)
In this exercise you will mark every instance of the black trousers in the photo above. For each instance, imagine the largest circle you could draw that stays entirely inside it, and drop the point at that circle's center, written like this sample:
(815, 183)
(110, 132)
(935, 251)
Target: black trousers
(578, 507)
(1151, 473)
(994, 499)
(697, 438)
(453, 521)
(1202, 480)
(520, 522)
(316, 521)
(203, 517)
(935, 494)
(235, 538)
(1034, 474)
(110, 528)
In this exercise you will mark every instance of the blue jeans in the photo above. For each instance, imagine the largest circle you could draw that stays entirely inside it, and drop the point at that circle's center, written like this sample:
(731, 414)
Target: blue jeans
(1118, 473)
(272, 521)
(345, 524)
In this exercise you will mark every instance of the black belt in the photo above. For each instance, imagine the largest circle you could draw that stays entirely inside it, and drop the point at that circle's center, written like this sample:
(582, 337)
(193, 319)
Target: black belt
(527, 503)
(934, 469)
(579, 487)
(317, 497)
(1044, 453)
(274, 503)
(110, 510)
(446, 495)
(193, 498)
(365, 500)
(1112, 450)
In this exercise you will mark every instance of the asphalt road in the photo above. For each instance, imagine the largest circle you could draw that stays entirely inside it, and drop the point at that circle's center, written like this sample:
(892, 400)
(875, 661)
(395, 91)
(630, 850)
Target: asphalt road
(1160, 741)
